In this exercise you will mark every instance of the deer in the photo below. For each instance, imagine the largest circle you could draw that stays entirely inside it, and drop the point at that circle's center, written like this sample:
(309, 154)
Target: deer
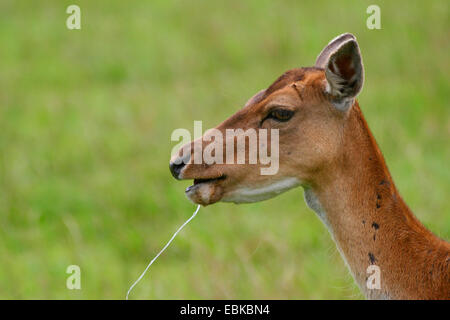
(327, 148)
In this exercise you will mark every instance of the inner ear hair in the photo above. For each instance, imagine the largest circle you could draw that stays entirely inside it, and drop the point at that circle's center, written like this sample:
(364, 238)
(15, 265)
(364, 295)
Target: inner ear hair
(332, 47)
(344, 71)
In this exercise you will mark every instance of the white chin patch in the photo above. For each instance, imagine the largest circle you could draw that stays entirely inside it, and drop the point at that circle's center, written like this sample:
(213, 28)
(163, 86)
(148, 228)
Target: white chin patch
(262, 192)
(200, 193)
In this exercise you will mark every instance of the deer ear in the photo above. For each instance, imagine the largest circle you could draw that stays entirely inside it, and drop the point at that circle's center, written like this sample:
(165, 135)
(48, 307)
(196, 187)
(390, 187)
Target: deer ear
(256, 98)
(344, 71)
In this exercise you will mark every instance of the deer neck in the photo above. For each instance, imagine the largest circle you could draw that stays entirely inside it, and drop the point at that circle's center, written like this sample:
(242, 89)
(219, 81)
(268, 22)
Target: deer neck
(371, 225)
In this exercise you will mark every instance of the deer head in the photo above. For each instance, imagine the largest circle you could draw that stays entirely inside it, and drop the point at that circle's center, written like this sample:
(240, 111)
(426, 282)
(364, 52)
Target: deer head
(309, 107)
(322, 143)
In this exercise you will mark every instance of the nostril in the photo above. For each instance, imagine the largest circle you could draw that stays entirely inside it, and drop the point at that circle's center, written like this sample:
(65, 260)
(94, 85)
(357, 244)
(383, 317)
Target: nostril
(175, 169)
(178, 164)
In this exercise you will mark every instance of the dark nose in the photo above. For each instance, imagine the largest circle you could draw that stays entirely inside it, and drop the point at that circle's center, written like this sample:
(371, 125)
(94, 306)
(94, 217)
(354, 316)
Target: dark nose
(175, 169)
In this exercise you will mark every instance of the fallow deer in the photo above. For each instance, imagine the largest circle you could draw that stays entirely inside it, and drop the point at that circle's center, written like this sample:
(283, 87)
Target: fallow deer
(326, 147)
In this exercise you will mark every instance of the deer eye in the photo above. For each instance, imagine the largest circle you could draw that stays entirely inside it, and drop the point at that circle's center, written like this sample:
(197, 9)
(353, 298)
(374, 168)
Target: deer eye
(281, 115)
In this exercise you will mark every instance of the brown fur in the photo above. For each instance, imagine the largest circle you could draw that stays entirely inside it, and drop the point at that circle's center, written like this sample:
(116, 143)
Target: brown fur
(334, 154)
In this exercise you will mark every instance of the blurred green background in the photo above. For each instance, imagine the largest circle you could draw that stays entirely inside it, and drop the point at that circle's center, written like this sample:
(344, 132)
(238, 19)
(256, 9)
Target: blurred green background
(86, 117)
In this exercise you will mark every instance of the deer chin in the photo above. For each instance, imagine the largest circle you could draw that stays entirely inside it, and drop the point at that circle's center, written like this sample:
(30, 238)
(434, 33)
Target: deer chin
(205, 191)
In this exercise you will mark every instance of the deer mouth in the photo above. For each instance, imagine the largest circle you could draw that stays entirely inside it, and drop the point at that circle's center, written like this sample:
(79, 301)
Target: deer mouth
(198, 182)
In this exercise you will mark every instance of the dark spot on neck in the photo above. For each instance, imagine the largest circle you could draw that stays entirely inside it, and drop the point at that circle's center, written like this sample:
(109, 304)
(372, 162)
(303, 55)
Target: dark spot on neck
(375, 225)
(372, 258)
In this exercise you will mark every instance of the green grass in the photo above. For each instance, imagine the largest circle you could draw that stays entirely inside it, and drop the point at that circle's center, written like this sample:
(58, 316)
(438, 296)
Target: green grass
(86, 118)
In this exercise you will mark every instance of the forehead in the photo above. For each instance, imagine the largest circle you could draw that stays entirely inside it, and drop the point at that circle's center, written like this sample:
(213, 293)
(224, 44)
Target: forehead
(289, 77)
